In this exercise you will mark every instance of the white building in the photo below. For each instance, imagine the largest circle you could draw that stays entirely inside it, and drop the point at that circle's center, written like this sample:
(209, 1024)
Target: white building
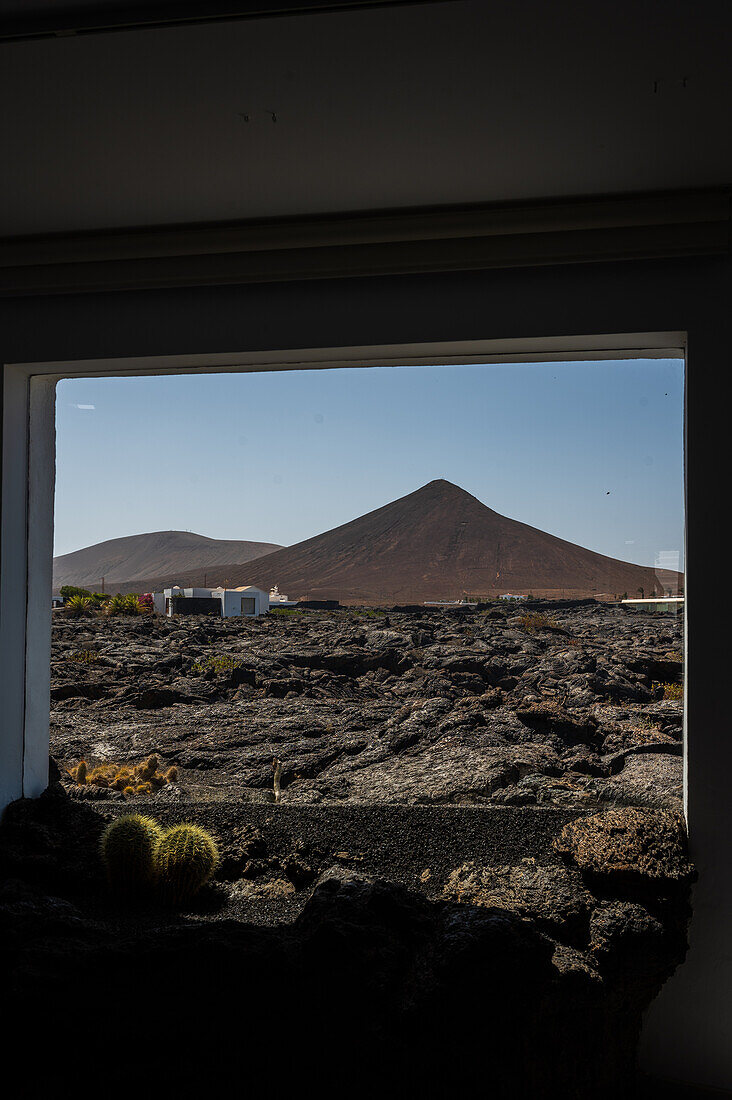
(246, 601)
(279, 599)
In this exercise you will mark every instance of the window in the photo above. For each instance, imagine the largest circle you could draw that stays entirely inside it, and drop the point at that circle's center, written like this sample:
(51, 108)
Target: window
(474, 554)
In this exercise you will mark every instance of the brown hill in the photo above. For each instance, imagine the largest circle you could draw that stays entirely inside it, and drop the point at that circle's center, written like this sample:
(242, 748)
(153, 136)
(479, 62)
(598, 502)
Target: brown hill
(436, 543)
(126, 560)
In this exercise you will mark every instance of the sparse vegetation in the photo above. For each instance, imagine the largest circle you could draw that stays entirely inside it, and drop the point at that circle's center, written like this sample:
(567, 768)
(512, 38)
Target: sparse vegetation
(129, 848)
(670, 691)
(534, 621)
(85, 656)
(144, 778)
(186, 860)
(216, 662)
(124, 605)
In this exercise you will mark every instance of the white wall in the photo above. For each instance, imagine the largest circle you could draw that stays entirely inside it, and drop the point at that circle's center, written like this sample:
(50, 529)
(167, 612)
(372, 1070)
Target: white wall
(231, 600)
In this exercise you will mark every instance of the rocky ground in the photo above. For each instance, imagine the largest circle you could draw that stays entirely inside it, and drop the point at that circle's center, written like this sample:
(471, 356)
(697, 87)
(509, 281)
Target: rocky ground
(570, 707)
(475, 879)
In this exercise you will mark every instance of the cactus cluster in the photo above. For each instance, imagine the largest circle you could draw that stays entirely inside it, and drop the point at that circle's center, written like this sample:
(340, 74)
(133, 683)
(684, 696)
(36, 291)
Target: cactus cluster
(144, 778)
(139, 856)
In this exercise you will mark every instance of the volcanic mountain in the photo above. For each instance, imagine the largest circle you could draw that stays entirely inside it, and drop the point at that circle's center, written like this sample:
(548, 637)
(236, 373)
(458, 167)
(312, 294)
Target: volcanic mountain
(437, 543)
(124, 561)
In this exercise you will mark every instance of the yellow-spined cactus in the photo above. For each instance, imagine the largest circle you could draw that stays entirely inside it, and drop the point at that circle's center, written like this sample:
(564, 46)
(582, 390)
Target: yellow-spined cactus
(129, 847)
(186, 860)
(81, 773)
(149, 768)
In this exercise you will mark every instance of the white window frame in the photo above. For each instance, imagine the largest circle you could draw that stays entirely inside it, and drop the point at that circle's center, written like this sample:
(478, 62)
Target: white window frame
(26, 545)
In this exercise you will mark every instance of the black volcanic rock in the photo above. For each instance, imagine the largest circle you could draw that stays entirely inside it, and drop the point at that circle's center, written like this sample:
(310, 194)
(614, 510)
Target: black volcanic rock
(360, 707)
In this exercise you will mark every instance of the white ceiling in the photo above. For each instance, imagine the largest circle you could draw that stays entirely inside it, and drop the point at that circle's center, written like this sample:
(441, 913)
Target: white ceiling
(459, 102)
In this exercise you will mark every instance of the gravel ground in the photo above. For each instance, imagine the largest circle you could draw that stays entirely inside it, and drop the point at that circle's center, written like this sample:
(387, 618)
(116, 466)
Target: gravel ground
(417, 847)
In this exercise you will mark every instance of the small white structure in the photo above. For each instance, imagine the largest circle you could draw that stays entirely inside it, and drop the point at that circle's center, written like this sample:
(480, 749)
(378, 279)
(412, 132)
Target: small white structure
(278, 599)
(674, 604)
(510, 596)
(246, 601)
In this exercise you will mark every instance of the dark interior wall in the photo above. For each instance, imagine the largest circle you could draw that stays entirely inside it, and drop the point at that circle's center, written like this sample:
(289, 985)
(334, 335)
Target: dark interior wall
(695, 1019)
(517, 302)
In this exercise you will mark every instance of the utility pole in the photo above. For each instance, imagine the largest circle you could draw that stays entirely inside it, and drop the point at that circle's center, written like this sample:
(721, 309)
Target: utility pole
(102, 585)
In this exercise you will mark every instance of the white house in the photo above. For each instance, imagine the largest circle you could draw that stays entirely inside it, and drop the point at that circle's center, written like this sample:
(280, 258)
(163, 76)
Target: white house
(246, 601)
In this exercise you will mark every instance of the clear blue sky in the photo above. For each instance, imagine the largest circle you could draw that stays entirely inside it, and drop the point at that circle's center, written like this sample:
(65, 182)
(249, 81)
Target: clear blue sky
(591, 452)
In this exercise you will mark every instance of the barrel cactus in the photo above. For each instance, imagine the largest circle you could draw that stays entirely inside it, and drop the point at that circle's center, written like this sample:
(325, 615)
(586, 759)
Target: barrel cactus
(186, 860)
(129, 847)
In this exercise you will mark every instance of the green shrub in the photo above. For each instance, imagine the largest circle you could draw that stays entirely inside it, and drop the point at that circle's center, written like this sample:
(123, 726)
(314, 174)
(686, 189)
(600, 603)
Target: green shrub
(216, 662)
(534, 621)
(79, 605)
(186, 860)
(124, 605)
(129, 847)
(69, 590)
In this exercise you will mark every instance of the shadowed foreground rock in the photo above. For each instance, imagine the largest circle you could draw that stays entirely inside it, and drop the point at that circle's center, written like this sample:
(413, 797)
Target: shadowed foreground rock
(508, 981)
(628, 843)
